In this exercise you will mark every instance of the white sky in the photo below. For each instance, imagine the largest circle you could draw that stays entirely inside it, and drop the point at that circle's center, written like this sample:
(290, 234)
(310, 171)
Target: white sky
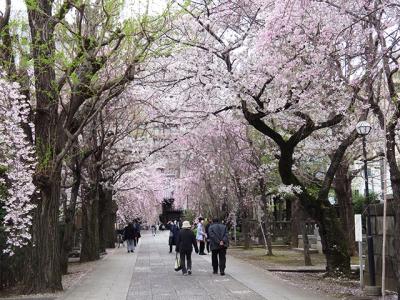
(155, 6)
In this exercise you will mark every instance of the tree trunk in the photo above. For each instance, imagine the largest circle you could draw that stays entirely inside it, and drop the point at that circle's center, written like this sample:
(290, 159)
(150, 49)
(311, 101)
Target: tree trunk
(295, 223)
(69, 227)
(107, 220)
(334, 242)
(265, 217)
(396, 256)
(43, 267)
(342, 187)
(246, 233)
(395, 183)
(90, 249)
(306, 244)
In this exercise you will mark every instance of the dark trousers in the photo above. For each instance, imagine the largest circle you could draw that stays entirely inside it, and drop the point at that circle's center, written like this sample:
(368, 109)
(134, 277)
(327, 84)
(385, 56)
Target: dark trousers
(208, 246)
(170, 248)
(218, 258)
(202, 246)
(186, 256)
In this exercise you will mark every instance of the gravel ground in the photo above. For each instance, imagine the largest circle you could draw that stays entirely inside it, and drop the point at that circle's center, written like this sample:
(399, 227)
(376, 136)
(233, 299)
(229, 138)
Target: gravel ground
(342, 288)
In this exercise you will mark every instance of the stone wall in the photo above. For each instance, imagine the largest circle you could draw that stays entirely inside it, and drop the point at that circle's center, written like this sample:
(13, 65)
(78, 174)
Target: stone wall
(377, 232)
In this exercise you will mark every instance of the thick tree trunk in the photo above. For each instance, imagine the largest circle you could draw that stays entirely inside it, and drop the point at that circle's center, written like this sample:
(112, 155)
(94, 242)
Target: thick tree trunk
(295, 223)
(334, 242)
(342, 187)
(69, 226)
(43, 267)
(107, 220)
(90, 249)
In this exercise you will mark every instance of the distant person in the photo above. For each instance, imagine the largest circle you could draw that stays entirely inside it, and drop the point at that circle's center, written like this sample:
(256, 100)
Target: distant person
(137, 232)
(173, 234)
(154, 229)
(219, 242)
(208, 235)
(201, 236)
(185, 242)
(129, 236)
(120, 237)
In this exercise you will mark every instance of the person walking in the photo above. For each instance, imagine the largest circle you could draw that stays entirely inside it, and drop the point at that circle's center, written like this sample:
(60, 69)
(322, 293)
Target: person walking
(154, 229)
(129, 236)
(201, 236)
(136, 225)
(120, 237)
(173, 234)
(208, 235)
(185, 242)
(219, 242)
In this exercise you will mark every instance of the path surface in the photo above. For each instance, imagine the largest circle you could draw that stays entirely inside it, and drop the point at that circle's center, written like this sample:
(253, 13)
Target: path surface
(148, 274)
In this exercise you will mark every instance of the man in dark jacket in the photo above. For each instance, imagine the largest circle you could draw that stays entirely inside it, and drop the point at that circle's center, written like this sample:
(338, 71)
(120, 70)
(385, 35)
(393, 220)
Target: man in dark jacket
(173, 234)
(129, 236)
(219, 242)
(185, 242)
(136, 225)
(208, 235)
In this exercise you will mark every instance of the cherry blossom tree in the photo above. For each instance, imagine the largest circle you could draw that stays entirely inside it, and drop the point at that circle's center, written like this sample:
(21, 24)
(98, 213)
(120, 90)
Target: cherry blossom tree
(374, 63)
(274, 61)
(16, 166)
(84, 54)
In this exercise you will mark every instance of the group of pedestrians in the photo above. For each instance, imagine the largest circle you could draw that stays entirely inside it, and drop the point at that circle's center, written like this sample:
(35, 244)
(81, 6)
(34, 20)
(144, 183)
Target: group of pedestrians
(216, 236)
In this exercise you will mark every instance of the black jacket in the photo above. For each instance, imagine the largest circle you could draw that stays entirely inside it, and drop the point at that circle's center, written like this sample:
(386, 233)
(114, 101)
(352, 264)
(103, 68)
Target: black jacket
(218, 233)
(185, 240)
(208, 229)
(130, 232)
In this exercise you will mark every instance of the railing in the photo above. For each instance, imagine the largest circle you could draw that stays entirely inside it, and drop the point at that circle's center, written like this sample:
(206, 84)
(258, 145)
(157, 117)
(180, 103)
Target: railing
(284, 228)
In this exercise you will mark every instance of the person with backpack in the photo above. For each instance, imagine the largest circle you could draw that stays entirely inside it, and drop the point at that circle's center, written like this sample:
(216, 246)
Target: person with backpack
(219, 242)
(185, 242)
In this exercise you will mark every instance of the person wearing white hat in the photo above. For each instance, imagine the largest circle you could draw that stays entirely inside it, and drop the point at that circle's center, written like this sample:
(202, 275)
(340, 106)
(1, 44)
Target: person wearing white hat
(184, 245)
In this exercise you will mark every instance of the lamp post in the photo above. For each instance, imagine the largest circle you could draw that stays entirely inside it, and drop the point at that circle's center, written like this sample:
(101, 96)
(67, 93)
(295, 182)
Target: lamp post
(224, 206)
(364, 128)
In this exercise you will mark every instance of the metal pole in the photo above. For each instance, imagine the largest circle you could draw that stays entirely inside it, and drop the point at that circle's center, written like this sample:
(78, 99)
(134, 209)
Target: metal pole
(370, 243)
(360, 255)
(384, 229)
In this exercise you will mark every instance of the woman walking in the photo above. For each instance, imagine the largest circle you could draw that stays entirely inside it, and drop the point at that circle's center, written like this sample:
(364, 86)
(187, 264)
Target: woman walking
(201, 235)
(185, 242)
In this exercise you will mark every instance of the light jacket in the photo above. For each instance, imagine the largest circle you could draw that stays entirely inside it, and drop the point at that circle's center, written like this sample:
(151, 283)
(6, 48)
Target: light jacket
(200, 233)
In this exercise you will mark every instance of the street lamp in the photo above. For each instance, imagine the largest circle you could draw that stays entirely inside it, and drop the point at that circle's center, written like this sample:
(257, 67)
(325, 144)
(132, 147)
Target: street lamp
(364, 128)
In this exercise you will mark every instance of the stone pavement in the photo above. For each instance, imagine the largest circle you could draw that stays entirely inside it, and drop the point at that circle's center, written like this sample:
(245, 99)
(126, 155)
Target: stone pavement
(154, 278)
(149, 274)
(109, 280)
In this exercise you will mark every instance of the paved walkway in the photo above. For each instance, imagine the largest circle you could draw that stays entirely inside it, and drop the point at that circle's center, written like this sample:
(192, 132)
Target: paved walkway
(148, 274)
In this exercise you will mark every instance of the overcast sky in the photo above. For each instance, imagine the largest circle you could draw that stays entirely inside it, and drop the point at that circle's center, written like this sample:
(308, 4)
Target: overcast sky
(131, 6)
